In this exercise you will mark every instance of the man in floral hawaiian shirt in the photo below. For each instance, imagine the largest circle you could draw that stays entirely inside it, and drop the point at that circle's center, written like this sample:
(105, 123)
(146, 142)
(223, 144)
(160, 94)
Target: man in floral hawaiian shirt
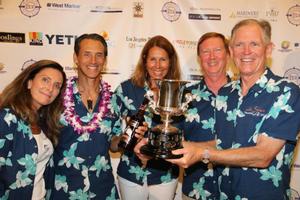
(81, 159)
(200, 180)
(256, 124)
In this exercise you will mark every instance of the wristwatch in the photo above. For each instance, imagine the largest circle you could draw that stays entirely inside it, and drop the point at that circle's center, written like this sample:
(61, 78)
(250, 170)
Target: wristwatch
(205, 156)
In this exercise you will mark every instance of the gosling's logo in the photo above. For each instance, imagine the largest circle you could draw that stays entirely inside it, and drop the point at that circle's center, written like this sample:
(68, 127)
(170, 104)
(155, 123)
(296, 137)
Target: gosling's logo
(30, 8)
(171, 11)
(293, 74)
(293, 15)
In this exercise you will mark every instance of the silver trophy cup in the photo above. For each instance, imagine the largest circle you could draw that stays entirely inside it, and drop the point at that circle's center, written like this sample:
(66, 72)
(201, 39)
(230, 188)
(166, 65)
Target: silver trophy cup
(164, 138)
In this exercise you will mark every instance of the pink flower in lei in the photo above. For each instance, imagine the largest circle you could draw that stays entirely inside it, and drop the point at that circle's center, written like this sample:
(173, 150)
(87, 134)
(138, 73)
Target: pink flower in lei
(72, 117)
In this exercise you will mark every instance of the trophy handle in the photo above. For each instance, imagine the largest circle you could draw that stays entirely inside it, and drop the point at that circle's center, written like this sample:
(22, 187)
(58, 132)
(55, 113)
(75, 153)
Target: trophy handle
(188, 98)
(152, 104)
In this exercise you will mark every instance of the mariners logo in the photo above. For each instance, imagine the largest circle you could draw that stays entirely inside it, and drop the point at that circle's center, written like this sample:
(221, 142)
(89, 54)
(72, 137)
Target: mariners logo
(171, 11)
(293, 15)
(30, 8)
(293, 74)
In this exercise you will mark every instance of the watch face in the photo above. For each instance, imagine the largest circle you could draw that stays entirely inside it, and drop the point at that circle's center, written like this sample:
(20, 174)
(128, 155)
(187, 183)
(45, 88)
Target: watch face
(205, 161)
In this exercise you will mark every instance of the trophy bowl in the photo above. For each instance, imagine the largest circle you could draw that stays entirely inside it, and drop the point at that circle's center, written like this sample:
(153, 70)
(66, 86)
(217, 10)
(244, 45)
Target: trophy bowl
(164, 137)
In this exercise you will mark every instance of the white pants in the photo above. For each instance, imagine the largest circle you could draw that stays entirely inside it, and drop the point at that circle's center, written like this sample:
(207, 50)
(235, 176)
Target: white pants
(133, 191)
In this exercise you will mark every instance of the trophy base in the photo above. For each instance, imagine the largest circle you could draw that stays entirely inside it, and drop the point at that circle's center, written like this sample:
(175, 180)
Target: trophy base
(158, 153)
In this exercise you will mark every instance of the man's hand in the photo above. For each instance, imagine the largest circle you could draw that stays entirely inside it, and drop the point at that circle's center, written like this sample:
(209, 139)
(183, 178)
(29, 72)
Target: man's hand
(192, 153)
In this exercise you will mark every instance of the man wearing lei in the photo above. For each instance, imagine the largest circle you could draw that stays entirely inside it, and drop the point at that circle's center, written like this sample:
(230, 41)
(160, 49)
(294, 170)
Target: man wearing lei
(82, 163)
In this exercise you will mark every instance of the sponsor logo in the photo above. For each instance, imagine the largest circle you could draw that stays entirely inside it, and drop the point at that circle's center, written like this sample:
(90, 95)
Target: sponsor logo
(272, 14)
(12, 37)
(285, 46)
(171, 11)
(136, 42)
(293, 15)
(193, 9)
(244, 14)
(39, 39)
(30, 8)
(293, 74)
(105, 9)
(204, 16)
(138, 9)
(185, 44)
(294, 194)
(27, 63)
(106, 36)
(60, 39)
(2, 66)
(197, 13)
(63, 6)
(36, 38)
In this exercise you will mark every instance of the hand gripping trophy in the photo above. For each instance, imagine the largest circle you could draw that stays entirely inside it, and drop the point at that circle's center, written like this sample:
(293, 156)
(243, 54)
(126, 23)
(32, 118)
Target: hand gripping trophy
(164, 138)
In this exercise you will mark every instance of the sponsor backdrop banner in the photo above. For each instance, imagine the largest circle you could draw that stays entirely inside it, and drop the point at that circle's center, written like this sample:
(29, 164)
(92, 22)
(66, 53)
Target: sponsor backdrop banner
(31, 30)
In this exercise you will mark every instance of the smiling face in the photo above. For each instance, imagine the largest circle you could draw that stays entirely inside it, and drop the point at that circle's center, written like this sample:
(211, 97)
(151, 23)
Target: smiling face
(90, 59)
(157, 63)
(213, 57)
(45, 87)
(249, 51)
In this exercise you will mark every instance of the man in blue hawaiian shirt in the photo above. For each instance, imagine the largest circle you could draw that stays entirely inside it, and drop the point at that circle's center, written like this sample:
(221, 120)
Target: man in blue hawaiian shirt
(256, 124)
(200, 180)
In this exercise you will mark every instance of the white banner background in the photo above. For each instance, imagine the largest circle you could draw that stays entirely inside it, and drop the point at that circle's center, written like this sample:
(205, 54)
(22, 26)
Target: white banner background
(127, 25)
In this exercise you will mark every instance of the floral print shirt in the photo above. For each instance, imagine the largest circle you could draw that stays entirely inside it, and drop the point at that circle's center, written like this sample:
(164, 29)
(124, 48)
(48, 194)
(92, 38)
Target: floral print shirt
(199, 180)
(127, 98)
(82, 162)
(18, 157)
(271, 108)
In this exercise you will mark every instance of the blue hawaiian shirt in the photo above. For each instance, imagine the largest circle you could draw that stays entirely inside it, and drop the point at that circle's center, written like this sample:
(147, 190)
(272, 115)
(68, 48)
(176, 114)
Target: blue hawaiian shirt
(199, 180)
(82, 162)
(272, 108)
(127, 98)
(18, 157)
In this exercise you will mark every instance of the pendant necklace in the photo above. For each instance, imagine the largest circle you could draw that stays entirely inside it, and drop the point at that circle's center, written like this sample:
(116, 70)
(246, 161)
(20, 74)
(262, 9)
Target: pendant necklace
(89, 104)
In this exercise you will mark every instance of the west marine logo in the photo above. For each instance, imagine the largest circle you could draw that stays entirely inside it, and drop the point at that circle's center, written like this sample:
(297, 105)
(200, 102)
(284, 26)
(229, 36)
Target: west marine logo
(30, 8)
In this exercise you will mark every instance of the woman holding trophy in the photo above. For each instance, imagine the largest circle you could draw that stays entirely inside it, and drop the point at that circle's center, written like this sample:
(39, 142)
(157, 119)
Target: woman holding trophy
(157, 179)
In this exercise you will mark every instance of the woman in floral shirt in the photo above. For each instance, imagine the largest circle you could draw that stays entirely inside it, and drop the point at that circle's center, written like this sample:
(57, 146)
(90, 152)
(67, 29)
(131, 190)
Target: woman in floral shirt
(29, 111)
(158, 179)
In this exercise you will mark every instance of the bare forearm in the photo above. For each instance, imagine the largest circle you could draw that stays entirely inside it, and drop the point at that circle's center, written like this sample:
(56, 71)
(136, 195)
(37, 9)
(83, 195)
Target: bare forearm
(258, 156)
